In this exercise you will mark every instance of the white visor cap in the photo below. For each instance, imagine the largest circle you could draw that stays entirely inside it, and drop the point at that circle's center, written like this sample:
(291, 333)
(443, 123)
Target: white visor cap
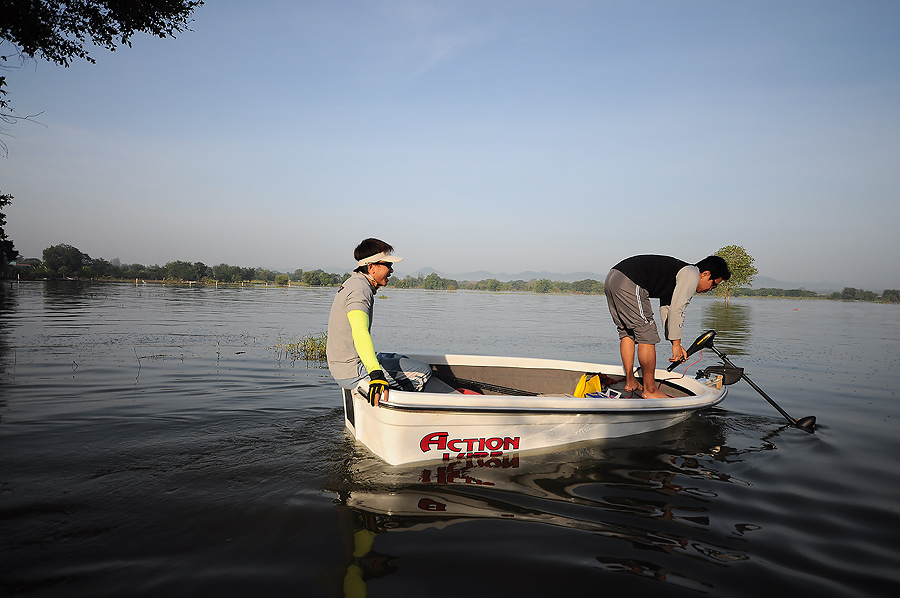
(379, 257)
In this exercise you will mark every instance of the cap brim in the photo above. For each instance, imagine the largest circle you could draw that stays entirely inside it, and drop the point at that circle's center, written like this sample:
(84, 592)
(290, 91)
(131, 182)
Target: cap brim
(379, 257)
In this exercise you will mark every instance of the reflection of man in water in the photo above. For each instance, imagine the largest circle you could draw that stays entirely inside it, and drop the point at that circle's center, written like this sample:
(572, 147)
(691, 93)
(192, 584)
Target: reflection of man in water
(360, 530)
(366, 564)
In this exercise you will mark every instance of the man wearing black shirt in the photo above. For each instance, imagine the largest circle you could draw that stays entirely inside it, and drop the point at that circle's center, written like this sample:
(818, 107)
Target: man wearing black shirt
(629, 287)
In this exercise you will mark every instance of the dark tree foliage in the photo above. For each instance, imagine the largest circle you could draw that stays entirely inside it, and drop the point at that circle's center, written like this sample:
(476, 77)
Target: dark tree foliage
(7, 249)
(320, 278)
(62, 31)
(3, 100)
(65, 259)
(588, 286)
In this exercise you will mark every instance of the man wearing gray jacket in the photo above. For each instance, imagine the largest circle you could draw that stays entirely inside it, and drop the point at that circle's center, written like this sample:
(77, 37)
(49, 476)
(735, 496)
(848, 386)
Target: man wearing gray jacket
(351, 353)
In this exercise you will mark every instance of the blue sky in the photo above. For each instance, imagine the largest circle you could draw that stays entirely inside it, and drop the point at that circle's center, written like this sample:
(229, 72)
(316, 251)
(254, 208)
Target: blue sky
(476, 135)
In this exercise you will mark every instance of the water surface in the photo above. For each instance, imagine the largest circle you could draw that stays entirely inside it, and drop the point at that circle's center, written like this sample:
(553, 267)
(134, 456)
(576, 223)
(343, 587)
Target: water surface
(153, 442)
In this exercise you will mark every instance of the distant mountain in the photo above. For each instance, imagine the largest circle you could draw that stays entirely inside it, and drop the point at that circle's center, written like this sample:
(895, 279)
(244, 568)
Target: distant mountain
(505, 277)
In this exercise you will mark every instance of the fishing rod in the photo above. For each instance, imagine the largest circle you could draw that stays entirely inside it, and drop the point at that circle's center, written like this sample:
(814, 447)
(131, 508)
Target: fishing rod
(731, 374)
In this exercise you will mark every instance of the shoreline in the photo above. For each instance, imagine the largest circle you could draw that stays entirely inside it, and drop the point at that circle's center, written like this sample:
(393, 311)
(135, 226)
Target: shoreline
(297, 284)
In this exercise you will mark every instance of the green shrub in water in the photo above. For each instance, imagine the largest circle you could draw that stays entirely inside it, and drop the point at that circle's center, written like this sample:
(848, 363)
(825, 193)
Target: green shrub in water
(309, 348)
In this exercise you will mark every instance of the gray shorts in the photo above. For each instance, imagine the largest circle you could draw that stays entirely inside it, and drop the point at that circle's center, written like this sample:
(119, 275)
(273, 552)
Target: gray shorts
(629, 306)
(401, 372)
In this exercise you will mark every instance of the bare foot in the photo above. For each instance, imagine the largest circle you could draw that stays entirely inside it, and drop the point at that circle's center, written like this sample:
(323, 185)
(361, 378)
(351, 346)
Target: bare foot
(633, 385)
(656, 394)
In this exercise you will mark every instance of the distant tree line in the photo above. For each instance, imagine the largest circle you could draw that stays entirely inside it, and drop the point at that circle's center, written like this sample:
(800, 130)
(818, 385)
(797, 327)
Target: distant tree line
(66, 261)
(768, 292)
(742, 272)
(435, 282)
(852, 294)
(848, 294)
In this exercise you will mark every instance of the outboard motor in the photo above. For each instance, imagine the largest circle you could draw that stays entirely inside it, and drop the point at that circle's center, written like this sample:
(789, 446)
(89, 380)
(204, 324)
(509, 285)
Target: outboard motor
(730, 374)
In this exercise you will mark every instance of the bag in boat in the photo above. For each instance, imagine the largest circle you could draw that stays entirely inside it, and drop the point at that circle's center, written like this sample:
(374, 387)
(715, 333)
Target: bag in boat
(593, 385)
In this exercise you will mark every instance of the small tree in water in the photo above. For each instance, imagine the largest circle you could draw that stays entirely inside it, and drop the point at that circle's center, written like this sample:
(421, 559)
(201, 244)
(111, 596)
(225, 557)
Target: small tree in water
(742, 270)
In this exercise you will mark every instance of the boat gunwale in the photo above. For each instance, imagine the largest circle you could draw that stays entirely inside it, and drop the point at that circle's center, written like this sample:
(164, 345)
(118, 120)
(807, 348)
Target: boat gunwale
(470, 410)
(700, 395)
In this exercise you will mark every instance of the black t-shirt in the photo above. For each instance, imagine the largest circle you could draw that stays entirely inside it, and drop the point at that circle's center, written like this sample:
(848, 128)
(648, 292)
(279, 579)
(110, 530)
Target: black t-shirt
(655, 273)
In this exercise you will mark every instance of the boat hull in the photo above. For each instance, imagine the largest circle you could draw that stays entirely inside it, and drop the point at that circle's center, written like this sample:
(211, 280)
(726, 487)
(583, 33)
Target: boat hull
(444, 426)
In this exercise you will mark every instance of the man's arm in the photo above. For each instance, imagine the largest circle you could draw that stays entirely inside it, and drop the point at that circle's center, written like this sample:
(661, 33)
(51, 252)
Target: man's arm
(362, 339)
(686, 282)
(365, 348)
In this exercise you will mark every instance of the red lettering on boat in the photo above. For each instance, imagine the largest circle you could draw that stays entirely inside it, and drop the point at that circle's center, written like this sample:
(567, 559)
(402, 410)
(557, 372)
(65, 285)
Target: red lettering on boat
(438, 438)
(468, 448)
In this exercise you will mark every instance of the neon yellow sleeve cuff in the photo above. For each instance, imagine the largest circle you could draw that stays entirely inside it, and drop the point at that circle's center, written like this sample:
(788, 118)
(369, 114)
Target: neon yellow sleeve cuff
(362, 340)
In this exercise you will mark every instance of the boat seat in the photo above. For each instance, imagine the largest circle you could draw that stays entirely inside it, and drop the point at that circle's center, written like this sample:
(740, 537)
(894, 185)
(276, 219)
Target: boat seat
(437, 385)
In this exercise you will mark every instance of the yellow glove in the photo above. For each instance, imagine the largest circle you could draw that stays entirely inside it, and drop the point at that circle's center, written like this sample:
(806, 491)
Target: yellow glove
(378, 386)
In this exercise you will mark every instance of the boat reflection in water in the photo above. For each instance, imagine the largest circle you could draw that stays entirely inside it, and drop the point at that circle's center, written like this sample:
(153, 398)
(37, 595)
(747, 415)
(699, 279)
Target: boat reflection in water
(655, 493)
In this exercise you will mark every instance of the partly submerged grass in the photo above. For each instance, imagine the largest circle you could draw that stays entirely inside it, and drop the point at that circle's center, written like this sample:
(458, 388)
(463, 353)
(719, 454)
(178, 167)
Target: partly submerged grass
(309, 348)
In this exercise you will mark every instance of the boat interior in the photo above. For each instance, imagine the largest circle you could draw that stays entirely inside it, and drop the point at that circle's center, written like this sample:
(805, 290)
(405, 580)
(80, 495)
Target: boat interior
(517, 381)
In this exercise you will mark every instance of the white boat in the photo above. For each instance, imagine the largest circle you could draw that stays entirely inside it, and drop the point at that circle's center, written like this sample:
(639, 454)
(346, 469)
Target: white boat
(486, 408)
